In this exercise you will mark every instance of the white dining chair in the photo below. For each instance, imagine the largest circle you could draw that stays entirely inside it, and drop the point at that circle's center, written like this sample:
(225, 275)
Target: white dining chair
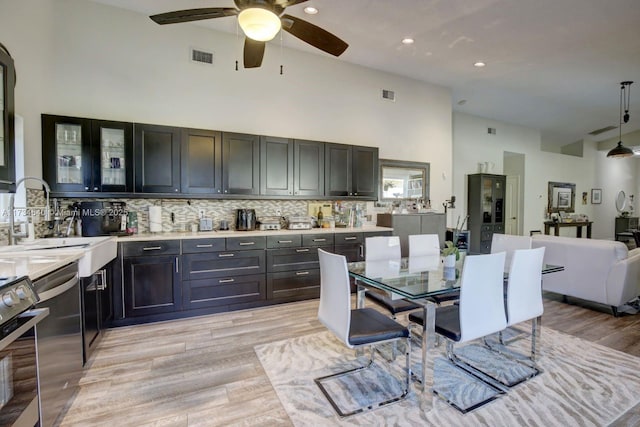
(424, 244)
(356, 328)
(508, 243)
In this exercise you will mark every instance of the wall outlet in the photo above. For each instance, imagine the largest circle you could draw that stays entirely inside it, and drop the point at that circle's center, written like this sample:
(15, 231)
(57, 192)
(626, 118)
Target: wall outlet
(278, 212)
(201, 213)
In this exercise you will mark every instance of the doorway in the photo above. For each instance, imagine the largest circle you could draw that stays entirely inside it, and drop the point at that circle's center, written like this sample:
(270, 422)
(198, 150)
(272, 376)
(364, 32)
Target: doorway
(514, 192)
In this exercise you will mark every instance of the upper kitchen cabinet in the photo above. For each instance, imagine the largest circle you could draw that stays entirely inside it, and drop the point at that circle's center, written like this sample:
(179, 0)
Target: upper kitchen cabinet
(351, 171)
(7, 126)
(241, 164)
(83, 155)
(291, 168)
(201, 162)
(157, 158)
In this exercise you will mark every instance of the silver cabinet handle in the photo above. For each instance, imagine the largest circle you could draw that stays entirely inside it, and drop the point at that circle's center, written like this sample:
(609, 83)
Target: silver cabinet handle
(58, 290)
(302, 250)
(226, 280)
(319, 240)
(204, 246)
(225, 255)
(361, 251)
(152, 248)
(302, 273)
(285, 241)
(247, 243)
(177, 265)
(350, 238)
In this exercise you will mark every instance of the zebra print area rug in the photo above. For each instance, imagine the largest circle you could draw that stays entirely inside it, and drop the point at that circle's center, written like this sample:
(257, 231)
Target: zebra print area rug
(582, 384)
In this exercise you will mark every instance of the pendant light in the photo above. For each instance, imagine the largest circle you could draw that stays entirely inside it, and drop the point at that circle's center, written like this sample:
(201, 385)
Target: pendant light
(620, 150)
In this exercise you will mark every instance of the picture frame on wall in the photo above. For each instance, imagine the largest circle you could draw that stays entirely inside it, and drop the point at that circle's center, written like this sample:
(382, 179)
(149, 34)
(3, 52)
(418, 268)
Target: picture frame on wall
(596, 196)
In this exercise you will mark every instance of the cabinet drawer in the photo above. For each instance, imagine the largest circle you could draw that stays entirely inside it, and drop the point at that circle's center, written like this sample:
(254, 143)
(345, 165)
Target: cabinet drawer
(286, 241)
(498, 228)
(152, 247)
(325, 239)
(345, 238)
(215, 292)
(486, 228)
(485, 247)
(294, 258)
(193, 246)
(219, 264)
(245, 243)
(486, 235)
(294, 284)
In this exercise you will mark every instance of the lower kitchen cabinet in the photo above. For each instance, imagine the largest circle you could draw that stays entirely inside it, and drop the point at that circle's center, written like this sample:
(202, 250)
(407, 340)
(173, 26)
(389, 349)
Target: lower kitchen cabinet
(151, 285)
(223, 291)
(293, 285)
(97, 308)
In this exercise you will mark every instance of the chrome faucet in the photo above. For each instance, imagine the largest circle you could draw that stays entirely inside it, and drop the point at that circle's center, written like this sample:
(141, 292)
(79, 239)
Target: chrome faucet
(13, 236)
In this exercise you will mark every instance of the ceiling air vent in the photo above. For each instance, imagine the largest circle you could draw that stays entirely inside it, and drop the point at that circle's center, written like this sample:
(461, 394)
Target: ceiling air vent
(388, 94)
(491, 131)
(201, 56)
(602, 130)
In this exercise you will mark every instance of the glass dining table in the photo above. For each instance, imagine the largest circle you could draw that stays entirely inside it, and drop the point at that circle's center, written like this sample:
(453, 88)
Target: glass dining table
(415, 279)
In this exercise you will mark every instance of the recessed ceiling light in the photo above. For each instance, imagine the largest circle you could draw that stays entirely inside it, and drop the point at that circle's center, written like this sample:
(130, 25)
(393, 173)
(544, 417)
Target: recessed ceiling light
(407, 40)
(310, 10)
(479, 64)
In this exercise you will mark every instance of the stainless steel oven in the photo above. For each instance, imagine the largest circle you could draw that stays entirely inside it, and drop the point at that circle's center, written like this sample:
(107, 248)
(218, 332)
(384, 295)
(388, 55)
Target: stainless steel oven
(18, 353)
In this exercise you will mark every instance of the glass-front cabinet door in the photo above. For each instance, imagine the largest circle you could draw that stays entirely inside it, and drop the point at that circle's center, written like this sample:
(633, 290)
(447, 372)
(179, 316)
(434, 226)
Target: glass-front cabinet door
(66, 159)
(487, 200)
(68, 152)
(112, 146)
(7, 131)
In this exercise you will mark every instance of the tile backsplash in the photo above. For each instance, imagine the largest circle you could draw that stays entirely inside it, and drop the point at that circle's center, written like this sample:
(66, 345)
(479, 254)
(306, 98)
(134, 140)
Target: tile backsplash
(186, 212)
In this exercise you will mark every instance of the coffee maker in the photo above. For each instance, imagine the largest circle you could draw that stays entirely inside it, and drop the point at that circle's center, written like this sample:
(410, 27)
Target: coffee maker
(245, 219)
(103, 218)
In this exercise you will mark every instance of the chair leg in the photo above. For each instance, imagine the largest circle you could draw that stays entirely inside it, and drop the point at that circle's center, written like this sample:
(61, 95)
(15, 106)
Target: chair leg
(536, 328)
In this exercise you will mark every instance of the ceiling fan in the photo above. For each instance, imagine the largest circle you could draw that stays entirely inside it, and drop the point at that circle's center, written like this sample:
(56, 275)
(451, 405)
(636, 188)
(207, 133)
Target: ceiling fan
(261, 20)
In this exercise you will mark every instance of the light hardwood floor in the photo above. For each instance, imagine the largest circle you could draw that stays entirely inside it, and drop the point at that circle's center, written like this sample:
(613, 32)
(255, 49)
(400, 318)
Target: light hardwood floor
(203, 371)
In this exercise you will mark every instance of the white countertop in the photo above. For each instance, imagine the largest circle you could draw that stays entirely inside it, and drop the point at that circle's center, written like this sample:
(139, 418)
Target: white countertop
(254, 233)
(36, 264)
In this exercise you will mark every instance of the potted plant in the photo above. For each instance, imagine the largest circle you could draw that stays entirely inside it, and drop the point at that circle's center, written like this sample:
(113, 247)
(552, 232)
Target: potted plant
(450, 253)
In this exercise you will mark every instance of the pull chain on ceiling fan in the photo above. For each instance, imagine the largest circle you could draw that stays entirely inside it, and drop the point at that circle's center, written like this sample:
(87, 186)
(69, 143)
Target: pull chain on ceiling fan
(260, 21)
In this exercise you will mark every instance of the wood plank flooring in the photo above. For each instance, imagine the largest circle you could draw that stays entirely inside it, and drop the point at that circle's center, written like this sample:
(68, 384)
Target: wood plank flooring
(203, 371)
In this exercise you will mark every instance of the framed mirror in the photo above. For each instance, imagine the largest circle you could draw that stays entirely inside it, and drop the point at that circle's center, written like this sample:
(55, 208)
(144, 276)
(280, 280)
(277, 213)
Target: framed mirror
(400, 180)
(562, 197)
(621, 201)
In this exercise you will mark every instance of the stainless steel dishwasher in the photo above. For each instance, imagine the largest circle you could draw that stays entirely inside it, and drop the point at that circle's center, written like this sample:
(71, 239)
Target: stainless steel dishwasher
(59, 341)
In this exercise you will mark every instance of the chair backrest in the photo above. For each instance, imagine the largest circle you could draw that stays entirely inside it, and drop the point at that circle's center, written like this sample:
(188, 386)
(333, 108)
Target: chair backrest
(334, 311)
(424, 244)
(509, 243)
(524, 291)
(636, 237)
(382, 248)
(482, 296)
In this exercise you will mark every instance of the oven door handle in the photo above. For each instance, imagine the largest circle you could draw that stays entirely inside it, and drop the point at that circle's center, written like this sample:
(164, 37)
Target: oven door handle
(59, 290)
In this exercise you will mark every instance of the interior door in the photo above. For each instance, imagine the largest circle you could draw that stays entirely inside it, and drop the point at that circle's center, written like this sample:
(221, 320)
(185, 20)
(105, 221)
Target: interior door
(512, 209)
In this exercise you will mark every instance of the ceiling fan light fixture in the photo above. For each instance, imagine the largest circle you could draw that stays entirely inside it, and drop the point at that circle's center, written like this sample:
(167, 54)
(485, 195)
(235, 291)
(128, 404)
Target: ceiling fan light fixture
(259, 24)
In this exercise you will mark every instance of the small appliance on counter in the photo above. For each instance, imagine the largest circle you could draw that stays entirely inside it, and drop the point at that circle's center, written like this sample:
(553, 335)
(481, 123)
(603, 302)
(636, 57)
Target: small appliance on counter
(206, 224)
(245, 219)
(103, 218)
(300, 223)
(270, 223)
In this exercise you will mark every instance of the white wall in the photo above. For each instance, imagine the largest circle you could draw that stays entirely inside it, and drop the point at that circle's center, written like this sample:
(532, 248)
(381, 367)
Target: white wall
(79, 58)
(472, 144)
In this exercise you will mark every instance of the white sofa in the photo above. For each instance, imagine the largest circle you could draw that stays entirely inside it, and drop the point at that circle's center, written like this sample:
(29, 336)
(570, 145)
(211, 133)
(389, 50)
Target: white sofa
(601, 271)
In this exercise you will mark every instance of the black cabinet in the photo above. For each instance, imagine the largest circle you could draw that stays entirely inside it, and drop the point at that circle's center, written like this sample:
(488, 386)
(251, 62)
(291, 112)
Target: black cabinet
(97, 308)
(351, 171)
(240, 164)
(7, 124)
(308, 168)
(157, 158)
(84, 155)
(201, 169)
(151, 281)
(276, 166)
(485, 206)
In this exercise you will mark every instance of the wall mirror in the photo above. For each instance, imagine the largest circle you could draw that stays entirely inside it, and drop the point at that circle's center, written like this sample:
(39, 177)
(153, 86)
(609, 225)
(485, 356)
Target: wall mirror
(562, 197)
(400, 180)
(621, 201)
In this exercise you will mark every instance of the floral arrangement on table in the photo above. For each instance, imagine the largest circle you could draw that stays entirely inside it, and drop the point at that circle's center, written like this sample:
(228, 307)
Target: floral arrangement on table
(450, 249)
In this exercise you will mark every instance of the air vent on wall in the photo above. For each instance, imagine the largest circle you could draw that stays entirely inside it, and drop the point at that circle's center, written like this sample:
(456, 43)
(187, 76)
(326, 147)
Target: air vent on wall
(602, 130)
(388, 94)
(491, 131)
(201, 56)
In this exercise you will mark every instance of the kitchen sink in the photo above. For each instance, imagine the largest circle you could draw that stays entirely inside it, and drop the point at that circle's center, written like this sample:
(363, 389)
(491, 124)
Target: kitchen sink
(97, 251)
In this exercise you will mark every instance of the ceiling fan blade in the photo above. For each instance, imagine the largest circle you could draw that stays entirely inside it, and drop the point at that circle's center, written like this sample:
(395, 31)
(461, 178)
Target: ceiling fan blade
(193, 15)
(287, 3)
(253, 53)
(315, 36)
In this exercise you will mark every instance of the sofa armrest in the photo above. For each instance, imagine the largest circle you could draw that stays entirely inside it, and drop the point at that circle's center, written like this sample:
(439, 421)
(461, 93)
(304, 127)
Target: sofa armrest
(623, 283)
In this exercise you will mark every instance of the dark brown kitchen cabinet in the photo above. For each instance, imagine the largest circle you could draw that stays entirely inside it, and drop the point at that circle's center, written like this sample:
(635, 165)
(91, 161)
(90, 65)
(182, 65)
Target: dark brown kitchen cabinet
(82, 155)
(351, 171)
(291, 167)
(151, 278)
(240, 164)
(485, 206)
(7, 125)
(157, 158)
(201, 169)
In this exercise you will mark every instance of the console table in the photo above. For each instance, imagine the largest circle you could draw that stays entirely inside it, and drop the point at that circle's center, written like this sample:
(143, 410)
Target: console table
(577, 224)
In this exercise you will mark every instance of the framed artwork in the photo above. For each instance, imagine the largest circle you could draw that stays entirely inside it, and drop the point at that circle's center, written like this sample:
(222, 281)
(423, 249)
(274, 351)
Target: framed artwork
(596, 196)
(564, 199)
(584, 197)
